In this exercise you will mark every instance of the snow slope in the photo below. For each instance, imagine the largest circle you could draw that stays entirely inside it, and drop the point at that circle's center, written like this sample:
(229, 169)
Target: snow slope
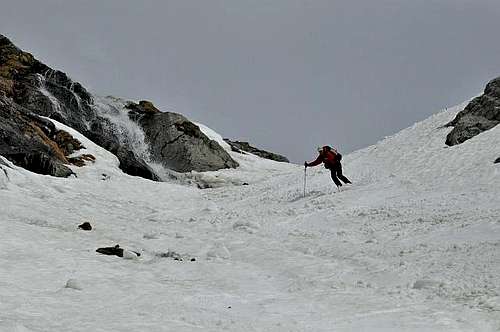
(413, 245)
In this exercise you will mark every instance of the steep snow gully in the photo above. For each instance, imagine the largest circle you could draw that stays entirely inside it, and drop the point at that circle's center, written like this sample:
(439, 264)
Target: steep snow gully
(413, 245)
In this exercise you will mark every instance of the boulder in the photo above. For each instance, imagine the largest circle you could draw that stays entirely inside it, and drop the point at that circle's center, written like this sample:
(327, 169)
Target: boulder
(144, 107)
(497, 160)
(133, 165)
(238, 146)
(481, 114)
(85, 226)
(180, 145)
(117, 251)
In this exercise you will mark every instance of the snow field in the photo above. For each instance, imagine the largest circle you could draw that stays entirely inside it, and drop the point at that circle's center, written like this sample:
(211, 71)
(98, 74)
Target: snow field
(413, 245)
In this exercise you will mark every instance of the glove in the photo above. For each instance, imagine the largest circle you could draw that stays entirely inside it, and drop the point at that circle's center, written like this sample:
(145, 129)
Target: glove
(305, 164)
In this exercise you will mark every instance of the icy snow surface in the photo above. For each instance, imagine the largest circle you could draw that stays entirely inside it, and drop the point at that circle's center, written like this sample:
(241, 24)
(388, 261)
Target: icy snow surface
(412, 245)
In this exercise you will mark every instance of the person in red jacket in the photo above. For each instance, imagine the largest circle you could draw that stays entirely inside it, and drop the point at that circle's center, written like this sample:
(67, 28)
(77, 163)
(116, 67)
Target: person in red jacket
(331, 159)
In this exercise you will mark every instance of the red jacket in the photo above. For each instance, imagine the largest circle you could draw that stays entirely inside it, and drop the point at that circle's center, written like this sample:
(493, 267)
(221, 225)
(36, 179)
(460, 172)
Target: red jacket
(328, 158)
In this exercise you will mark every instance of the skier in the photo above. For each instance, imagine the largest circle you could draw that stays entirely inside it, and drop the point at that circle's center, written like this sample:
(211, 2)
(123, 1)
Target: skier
(331, 159)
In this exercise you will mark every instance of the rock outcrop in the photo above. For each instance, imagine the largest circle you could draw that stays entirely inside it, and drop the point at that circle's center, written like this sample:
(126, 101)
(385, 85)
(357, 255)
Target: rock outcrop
(180, 145)
(238, 146)
(144, 107)
(481, 114)
(32, 142)
(32, 85)
(35, 87)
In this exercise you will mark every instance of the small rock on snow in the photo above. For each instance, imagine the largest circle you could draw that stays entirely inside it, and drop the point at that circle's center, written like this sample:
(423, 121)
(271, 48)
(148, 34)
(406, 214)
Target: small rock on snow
(85, 226)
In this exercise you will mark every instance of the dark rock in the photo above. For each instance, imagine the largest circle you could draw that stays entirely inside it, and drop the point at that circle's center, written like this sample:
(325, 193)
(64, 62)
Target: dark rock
(245, 146)
(481, 114)
(144, 107)
(193, 259)
(85, 226)
(244, 184)
(467, 127)
(41, 163)
(81, 160)
(180, 145)
(497, 160)
(115, 251)
(133, 165)
(203, 185)
(67, 143)
(25, 140)
(235, 149)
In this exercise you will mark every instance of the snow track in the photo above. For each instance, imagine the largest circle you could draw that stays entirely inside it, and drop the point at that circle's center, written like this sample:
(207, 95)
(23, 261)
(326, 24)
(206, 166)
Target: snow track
(413, 245)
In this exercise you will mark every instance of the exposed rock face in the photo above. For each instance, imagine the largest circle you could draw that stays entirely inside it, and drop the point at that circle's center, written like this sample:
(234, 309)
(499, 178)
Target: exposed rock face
(81, 160)
(30, 141)
(481, 114)
(174, 141)
(180, 145)
(44, 91)
(245, 146)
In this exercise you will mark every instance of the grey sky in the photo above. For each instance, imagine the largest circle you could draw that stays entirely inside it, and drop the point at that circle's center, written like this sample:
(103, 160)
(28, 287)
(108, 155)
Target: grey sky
(286, 75)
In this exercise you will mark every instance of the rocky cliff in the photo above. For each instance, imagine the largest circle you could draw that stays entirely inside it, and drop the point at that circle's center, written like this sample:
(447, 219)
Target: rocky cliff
(31, 142)
(176, 142)
(481, 114)
(28, 86)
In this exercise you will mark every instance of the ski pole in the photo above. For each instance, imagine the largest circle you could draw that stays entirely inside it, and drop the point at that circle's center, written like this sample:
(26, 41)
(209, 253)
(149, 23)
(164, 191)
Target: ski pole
(305, 180)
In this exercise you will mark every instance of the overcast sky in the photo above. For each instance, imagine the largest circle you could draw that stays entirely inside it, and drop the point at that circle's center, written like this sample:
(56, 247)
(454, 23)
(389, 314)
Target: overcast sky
(286, 75)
